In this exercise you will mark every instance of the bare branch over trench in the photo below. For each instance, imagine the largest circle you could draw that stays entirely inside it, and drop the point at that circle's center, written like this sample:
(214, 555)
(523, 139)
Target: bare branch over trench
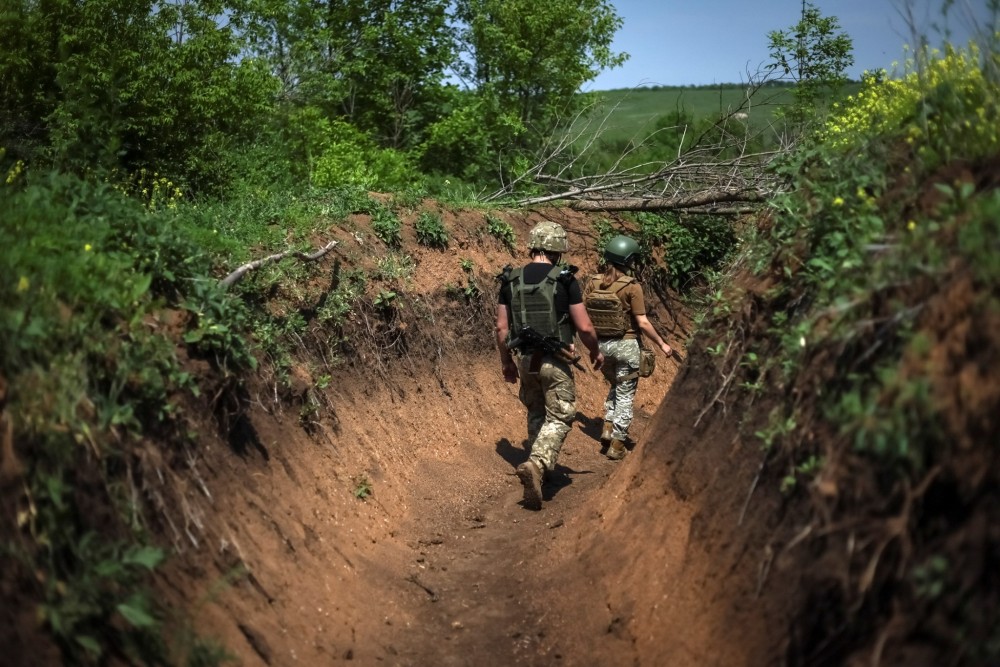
(704, 202)
(728, 163)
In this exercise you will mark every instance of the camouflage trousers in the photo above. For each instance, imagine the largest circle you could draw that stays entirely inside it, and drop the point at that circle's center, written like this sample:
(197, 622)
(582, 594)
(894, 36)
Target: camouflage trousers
(550, 397)
(621, 358)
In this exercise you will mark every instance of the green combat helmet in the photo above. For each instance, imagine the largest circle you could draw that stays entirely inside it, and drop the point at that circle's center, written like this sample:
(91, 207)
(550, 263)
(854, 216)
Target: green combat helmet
(621, 250)
(548, 236)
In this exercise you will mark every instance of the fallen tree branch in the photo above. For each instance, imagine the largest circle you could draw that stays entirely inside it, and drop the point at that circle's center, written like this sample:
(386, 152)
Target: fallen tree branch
(238, 274)
(701, 199)
(731, 156)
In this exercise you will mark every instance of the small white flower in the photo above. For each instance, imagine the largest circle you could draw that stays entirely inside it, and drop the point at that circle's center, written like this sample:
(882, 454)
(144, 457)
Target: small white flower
(802, 341)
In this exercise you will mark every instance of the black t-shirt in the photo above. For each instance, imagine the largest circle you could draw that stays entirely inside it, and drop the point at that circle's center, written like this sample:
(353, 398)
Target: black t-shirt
(567, 287)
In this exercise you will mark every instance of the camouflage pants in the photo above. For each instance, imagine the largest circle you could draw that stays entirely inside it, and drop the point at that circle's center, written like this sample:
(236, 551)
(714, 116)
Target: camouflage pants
(621, 358)
(550, 397)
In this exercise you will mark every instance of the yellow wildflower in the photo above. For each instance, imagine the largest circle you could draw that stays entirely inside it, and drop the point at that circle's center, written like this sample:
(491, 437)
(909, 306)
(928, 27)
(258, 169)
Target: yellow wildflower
(23, 284)
(838, 201)
(87, 247)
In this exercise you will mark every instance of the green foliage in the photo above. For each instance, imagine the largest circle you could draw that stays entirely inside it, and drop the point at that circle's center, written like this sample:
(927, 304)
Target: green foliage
(525, 63)
(691, 247)
(384, 299)
(346, 156)
(219, 325)
(779, 426)
(387, 226)
(470, 291)
(235, 229)
(79, 610)
(605, 232)
(815, 54)
(409, 197)
(887, 415)
(882, 281)
(377, 65)
(808, 468)
(92, 271)
(430, 230)
(921, 107)
(98, 85)
(362, 487)
(69, 258)
(931, 577)
(394, 266)
(502, 231)
(470, 130)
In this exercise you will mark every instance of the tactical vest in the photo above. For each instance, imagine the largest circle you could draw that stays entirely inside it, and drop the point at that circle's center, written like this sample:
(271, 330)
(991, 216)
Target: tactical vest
(606, 309)
(535, 306)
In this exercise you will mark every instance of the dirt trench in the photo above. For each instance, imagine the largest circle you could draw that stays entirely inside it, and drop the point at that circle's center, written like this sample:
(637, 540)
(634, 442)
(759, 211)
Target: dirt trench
(390, 532)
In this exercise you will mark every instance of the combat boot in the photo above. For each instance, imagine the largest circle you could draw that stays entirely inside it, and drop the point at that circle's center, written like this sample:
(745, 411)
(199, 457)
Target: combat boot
(617, 451)
(606, 434)
(531, 477)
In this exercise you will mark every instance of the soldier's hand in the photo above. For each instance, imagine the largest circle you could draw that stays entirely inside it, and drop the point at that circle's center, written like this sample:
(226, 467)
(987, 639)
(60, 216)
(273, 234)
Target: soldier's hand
(510, 371)
(597, 360)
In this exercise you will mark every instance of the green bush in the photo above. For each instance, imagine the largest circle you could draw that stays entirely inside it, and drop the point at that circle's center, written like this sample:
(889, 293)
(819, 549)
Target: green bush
(883, 281)
(699, 245)
(349, 157)
(387, 226)
(501, 230)
(91, 271)
(431, 231)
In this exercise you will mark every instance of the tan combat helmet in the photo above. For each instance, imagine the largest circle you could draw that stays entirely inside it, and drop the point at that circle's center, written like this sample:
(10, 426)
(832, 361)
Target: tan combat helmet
(548, 236)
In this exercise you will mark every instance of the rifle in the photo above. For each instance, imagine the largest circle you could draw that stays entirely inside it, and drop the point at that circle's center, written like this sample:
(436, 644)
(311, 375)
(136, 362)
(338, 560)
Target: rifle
(550, 344)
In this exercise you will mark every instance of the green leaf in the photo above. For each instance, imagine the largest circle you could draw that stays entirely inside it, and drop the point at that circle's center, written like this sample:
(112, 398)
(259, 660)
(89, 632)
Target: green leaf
(55, 488)
(135, 612)
(147, 557)
(109, 569)
(141, 286)
(89, 644)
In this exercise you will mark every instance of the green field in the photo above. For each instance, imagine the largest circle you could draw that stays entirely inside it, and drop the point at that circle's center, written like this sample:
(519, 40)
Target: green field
(632, 113)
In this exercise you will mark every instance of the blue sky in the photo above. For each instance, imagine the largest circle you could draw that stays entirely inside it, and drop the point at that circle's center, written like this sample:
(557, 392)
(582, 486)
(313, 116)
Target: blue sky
(679, 42)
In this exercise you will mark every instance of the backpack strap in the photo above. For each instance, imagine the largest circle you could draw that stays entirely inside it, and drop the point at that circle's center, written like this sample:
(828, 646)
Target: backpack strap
(554, 275)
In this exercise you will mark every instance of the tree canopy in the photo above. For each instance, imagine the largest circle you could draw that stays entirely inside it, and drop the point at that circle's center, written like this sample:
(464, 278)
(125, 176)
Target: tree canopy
(187, 87)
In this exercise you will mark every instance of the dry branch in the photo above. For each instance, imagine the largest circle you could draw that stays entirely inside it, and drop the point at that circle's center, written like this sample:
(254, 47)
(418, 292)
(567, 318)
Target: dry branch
(700, 200)
(238, 274)
(717, 167)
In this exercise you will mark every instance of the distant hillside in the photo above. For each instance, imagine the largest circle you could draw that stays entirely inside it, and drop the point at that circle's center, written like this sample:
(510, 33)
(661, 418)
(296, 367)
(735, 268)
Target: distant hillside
(633, 112)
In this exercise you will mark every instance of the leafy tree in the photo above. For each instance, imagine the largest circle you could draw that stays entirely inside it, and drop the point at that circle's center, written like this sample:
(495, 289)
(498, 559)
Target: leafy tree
(127, 84)
(813, 53)
(378, 64)
(523, 64)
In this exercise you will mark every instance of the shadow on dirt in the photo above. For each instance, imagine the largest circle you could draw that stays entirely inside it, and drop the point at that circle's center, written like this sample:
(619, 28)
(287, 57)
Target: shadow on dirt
(591, 427)
(515, 456)
(559, 479)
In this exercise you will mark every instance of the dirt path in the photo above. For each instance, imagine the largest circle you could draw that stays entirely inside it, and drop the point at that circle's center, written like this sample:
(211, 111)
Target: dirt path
(481, 575)
(440, 565)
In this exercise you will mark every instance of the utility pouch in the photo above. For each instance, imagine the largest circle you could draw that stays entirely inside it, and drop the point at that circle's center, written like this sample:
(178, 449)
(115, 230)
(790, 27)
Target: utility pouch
(647, 362)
